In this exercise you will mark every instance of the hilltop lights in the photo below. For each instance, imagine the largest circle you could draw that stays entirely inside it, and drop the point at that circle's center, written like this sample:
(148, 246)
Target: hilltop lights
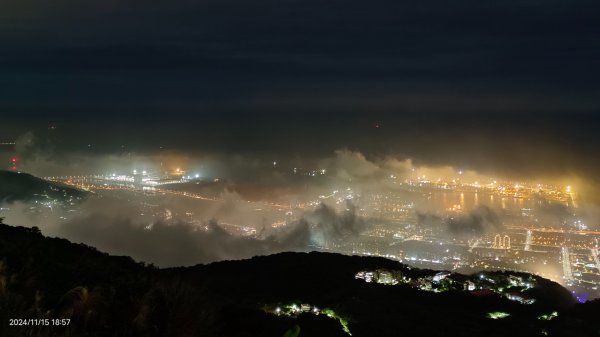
(293, 310)
(498, 315)
(548, 317)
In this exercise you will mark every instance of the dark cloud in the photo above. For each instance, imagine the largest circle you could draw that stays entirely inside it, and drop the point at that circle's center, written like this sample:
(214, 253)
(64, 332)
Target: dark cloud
(118, 228)
(328, 225)
(555, 214)
(178, 244)
(474, 223)
(428, 220)
(480, 220)
(113, 57)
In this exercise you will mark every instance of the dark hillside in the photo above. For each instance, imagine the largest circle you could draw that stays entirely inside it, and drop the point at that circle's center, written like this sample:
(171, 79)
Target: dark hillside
(16, 186)
(289, 294)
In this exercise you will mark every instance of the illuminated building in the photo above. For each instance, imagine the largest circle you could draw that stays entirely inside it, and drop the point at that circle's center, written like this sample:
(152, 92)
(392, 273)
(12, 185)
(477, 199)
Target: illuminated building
(518, 297)
(497, 241)
(381, 276)
(501, 242)
(506, 242)
(437, 278)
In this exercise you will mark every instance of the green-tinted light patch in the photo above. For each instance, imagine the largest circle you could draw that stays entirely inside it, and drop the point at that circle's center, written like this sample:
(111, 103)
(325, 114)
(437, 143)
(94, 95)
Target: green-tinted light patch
(294, 310)
(497, 315)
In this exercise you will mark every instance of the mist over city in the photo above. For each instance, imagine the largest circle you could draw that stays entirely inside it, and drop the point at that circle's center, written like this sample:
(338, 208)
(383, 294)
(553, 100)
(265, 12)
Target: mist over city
(182, 206)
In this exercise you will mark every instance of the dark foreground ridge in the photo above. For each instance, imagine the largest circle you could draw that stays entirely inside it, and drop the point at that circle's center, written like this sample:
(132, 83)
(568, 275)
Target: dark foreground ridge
(44, 280)
(17, 186)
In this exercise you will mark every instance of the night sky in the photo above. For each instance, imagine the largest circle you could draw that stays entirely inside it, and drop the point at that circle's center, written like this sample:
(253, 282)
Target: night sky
(507, 87)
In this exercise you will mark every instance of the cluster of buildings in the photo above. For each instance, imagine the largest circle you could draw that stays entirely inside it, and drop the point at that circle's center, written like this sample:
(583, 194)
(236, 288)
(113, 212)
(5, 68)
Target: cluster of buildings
(501, 242)
(409, 224)
(512, 287)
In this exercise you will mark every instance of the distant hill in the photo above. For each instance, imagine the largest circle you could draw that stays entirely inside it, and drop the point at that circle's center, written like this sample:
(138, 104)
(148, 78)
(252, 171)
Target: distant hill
(16, 186)
(279, 295)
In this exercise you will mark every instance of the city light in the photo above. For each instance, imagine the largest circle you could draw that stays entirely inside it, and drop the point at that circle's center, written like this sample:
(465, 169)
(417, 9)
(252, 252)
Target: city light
(498, 315)
(510, 243)
(297, 168)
